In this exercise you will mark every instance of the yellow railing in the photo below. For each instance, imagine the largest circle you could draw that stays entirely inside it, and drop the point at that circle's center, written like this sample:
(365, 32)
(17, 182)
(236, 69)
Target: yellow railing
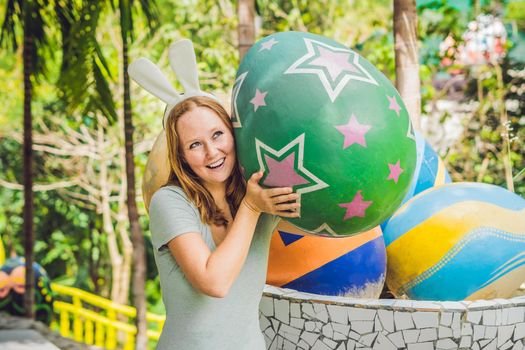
(93, 320)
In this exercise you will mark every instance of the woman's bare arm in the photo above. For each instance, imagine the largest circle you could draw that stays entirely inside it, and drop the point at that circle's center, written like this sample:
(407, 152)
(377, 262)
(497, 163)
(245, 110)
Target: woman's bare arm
(213, 273)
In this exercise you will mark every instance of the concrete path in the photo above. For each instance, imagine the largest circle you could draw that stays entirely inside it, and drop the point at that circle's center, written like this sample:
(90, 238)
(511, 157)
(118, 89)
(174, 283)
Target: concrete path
(24, 339)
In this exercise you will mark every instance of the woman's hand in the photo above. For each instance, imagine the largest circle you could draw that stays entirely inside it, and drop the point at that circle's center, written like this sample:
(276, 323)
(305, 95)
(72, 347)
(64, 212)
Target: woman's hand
(278, 201)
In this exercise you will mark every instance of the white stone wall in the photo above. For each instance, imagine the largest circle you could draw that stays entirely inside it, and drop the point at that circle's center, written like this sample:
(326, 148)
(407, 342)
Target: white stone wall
(291, 320)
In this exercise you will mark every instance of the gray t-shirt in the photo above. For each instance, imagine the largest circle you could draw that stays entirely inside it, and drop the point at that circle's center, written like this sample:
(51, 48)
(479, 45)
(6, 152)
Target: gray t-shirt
(195, 321)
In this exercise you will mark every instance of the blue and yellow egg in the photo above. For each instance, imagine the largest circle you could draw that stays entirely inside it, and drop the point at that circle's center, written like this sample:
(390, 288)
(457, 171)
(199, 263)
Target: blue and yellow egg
(457, 241)
(348, 266)
(430, 171)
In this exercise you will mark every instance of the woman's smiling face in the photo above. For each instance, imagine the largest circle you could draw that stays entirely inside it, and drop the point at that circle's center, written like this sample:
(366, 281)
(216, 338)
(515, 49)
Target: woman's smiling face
(207, 145)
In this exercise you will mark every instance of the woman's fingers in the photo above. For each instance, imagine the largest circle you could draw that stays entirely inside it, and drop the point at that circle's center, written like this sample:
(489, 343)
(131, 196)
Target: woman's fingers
(273, 192)
(256, 177)
(288, 214)
(287, 206)
(285, 198)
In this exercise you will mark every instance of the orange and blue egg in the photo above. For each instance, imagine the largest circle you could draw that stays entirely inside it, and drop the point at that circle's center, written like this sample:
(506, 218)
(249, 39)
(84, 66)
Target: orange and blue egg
(457, 241)
(352, 266)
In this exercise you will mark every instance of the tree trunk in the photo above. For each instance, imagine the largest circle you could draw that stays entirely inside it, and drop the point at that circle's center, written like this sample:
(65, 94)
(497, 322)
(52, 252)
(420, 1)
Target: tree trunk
(139, 253)
(407, 57)
(29, 234)
(246, 12)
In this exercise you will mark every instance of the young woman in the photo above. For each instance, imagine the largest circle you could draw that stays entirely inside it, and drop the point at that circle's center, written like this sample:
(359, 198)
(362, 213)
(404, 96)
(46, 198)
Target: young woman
(211, 233)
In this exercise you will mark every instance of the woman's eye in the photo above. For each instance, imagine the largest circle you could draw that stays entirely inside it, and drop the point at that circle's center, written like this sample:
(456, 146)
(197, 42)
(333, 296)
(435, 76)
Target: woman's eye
(217, 134)
(195, 144)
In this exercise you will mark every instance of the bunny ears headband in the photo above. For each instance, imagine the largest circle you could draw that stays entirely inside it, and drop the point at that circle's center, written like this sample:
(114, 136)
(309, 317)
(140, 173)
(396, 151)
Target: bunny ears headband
(182, 60)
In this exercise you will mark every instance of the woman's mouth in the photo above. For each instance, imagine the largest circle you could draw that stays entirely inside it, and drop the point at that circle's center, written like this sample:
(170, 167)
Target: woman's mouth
(217, 164)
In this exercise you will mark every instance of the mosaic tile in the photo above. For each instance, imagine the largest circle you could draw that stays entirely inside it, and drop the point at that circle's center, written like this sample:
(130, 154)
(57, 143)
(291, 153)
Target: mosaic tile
(383, 343)
(309, 337)
(338, 313)
(456, 320)
(295, 310)
(446, 344)
(519, 331)
(341, 329)
(350, 344)
(264, 323)
(368, 339)
(378, 327)
(516, 315)
(362, 327)
(474, 316)
(319, 345)
(397, 339)
(403, 320)
(358, 314)
(489, 317)
(290, 333)
(327, 331)
(466, 342)
(425, 319)
(446, 319)
(341, 347)
(303, 345)
(387, 319)
(491, 345)
(282, 310)
(410, 335)
(266, 306)
(428, 334)
(275, 324)
(479, 332)
(444, 332)
(491, 332)
(308, 310)
(354, 335)
(421, 346)
(466, 329)
(288, 345)
(334, 323)
(297, 322)
(332, 344)
(310, 326)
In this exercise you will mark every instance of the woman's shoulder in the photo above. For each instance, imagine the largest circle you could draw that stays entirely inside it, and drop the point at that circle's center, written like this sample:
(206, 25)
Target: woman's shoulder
(169, 193)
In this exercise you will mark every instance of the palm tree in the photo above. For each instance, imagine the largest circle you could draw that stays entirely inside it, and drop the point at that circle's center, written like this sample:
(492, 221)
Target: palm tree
(27, 16)
(246, 29)
(407, 57)
(149, 11)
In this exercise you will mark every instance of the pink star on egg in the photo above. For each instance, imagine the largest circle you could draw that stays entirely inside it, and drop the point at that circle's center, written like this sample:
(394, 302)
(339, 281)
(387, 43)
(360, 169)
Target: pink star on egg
(395, 171)
(356, 207)
(393, 104)
(353, 132)
(334, 62)
(282, 173)
(258, 99)
(267, 45)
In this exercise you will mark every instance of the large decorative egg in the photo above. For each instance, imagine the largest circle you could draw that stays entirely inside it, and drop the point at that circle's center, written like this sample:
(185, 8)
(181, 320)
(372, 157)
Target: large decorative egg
(316, 116)
(12, 288)
(457, 241)
(430, 170)
(346, 266)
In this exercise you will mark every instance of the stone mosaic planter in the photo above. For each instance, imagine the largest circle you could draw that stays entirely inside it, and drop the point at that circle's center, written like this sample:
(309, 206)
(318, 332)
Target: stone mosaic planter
(292, 321)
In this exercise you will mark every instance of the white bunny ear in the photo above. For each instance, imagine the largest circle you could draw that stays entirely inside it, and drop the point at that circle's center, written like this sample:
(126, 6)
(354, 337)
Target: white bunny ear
(151, 78)
(183, 61)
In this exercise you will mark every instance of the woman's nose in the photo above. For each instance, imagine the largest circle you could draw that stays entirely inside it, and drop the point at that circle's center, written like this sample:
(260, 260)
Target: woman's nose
(211, 150)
